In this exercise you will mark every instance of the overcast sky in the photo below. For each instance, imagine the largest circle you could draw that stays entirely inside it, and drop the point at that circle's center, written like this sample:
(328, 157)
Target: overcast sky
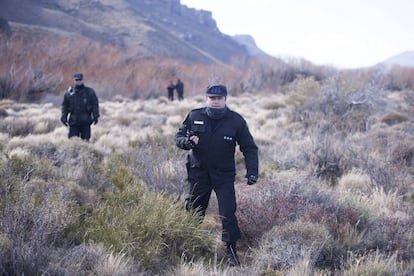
(342, 33)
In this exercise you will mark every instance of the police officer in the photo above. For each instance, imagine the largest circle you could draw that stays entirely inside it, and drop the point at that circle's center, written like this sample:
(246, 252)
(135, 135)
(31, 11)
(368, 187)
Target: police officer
(81, 105)
(180, 89)
(212, 133)
(170, 91)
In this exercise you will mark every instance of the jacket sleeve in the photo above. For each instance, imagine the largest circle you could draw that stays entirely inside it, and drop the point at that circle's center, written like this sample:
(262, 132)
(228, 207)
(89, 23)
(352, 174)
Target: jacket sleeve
(65, 106)
(181, 136)
(95, 104)
(250, 150)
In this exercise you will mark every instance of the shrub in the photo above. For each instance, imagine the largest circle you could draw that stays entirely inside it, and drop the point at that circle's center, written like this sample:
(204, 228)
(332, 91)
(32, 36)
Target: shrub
(272, 206)
(33, 217)
(384, 155)
(17, 126)
(372, 264)
(274, 104)
(159, 163)
(260, 211)
(355, 183)
(393, 118)
(214, 268)
(402, 154)
(389, 235)
(283, 246)
(147, 226)
(326, 156)
(90, 259)
(302, 89)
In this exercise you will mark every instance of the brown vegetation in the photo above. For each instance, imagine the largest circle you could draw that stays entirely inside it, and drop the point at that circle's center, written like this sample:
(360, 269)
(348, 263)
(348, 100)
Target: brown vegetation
(38, 68)
(335, 193)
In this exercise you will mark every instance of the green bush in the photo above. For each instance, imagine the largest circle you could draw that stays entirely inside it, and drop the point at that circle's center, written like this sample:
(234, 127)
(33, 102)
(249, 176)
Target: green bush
(148, 226)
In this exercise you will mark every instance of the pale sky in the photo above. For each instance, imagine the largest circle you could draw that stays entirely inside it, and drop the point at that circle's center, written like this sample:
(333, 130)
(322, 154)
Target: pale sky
(342, 33)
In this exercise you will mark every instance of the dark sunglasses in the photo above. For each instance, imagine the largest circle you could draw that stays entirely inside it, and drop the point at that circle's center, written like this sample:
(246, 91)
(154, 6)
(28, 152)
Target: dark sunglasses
(77, 79)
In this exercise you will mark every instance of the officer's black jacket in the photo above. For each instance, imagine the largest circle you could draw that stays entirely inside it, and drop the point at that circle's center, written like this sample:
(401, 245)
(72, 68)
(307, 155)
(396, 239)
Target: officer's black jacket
(216, 148)
(82, 105)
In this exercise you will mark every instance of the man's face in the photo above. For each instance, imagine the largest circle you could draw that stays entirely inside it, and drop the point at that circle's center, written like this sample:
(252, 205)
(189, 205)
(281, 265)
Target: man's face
(216, 101)
(78, 81)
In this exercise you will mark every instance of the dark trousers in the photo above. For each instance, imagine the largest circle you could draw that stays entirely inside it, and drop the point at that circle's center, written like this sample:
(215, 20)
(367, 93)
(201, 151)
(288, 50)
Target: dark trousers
(202, 184)
(82, 131)
(171, 95)
(180, 95)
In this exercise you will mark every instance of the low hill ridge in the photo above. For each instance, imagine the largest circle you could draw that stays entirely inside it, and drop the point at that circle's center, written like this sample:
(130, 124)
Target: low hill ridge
(161, 28)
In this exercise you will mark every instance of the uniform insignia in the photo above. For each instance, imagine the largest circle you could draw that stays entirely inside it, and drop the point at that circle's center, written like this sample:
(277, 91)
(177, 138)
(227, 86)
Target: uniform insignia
(199, 122)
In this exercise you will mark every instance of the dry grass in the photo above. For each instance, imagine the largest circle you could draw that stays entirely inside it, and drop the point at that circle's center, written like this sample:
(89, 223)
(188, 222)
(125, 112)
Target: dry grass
(334, 181)
(284, 246)
(92, 259)
(355, 183)
(372, 264)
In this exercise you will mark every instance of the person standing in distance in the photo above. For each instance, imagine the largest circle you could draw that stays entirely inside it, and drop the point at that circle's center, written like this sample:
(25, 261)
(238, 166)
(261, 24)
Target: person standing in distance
(170, 91)
(212, 134)
(81, 104)
(180, 89)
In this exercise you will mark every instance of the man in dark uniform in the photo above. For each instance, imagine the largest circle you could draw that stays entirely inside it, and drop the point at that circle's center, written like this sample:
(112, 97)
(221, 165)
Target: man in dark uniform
(180, 89)
(212, 133)
(82, 106)
(170, 91)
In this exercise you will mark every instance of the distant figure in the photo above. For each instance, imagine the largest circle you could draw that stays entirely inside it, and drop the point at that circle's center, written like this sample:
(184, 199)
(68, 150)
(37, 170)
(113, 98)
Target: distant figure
(82, 106)
(180, 89)
(170, 90)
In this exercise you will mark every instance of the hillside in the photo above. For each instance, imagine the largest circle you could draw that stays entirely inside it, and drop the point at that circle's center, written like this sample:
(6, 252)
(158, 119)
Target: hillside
(405, 59)
(162, 28)
(250, 44)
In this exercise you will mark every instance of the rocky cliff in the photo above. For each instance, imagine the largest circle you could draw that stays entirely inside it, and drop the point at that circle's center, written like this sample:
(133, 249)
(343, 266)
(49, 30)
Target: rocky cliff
(161, 28)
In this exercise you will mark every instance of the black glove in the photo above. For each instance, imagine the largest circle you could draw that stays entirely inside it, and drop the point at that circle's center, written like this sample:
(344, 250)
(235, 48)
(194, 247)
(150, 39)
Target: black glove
(189, 144)
(64, 120)
(251, 179)
(95, 120)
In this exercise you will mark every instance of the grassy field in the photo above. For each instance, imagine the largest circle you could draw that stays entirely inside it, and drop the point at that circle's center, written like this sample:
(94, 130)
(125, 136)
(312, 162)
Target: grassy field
(335, 194)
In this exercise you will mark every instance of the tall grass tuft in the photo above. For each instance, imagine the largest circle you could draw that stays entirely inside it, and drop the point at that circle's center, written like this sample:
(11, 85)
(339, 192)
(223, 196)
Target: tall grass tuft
(373, 264)
(33, 217)
(147, 226)
(284, 246)
(91, 259)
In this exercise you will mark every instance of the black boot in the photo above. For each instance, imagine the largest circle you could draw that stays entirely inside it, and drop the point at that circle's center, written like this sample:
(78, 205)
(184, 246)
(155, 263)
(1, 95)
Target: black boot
(232, 258)
(187, 204)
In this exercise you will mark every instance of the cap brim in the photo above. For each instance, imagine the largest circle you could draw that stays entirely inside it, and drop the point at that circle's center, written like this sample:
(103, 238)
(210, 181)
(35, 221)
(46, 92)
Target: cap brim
(214, 95)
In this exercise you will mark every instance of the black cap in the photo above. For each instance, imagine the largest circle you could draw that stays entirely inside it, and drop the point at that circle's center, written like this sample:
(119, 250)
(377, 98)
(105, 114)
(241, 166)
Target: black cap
(78, 76)
(216, 90)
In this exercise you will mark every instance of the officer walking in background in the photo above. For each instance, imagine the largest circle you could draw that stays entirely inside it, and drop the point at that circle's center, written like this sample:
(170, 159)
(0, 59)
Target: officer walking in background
(212, 133)
(81, 105)
(180, 89)
(170, 91)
